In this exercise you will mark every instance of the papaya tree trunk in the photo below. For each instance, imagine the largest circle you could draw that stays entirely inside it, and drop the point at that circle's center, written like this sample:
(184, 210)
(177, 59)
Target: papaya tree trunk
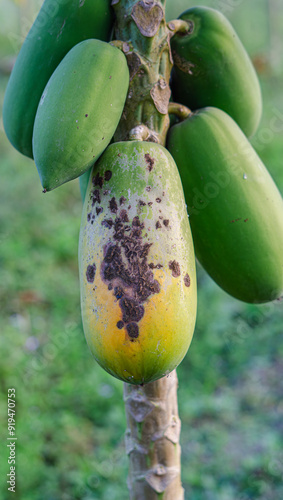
(153, 424)
(152, 440)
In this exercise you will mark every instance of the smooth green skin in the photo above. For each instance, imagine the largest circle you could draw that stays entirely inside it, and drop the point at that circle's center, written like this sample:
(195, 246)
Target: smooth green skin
(83, 180)
(235, 209)
(59, 26)
(153, 192)
(212, 68)
(79, 111)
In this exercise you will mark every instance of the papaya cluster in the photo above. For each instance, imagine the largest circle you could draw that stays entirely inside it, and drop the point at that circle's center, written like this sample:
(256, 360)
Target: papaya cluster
(137, 248)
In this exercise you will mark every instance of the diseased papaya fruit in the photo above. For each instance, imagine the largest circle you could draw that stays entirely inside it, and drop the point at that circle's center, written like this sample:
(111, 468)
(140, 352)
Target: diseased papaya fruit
(212, 68)
(137, 264)
(79, 111)
(235, 209)
(58, 27)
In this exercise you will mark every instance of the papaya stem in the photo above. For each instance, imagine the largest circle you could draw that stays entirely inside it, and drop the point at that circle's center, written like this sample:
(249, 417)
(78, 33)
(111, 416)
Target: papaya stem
(180, 26)
(142, 27)
(179, 110)
(153, 447)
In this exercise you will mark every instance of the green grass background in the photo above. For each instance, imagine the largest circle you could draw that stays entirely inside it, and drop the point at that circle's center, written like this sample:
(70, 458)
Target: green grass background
(70, 418)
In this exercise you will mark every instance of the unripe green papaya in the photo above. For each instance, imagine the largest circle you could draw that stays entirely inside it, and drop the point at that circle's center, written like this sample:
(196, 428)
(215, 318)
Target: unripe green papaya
(79, 111)
(212, 68)
(59, 26)
(83, 182)
(235, 208)
(137, 265)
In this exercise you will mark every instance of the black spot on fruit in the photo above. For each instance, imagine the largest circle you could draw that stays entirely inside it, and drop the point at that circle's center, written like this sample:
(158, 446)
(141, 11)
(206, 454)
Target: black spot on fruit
(158, 200)
(166, 222)
(152, 266)
(187, 280)
(158, 225)
(124, 216)
(107, 223)
(149, 161)
(125, 266)
(90, 273)
(113, 205)
(98, 180)
(112, 252)
(133, 330)
(175, 268)
(120, 325)
(96, 197)
(118, 292)
(99, 210)
(108, 175)
(132, 310)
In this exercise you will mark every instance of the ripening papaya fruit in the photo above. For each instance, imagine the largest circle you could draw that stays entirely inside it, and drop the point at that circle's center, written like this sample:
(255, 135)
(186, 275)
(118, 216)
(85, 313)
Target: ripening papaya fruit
(235, 209)
(58, 27)
(137, 264)
(212, 68)
(79, 111)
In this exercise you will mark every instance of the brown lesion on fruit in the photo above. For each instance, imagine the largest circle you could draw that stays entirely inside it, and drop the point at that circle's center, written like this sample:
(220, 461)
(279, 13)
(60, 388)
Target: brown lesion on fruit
(149, 161)
(187, 280)
(90, 273)
(124, 216)
(107, 175)
(98, 180)
(175, 268)
(125, 267)
(133, 330)
(113, 205)
(157, 266)
(95, 196)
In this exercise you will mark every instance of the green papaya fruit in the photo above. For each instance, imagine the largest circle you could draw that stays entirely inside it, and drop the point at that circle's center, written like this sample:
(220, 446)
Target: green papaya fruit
(235, 208)
(59, 26)
(137, 264)
(212, 68)
(79, 111)
(83, 181)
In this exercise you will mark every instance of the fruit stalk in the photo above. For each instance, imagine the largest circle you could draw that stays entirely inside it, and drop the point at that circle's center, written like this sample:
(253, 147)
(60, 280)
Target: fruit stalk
(153, 424)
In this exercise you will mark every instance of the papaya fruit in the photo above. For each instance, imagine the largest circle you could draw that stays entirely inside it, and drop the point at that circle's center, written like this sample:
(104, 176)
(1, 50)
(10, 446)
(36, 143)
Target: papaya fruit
(137, 264)
(58, 27)
(83, 182)
(235, 209)
(212, 68)
(79, 111)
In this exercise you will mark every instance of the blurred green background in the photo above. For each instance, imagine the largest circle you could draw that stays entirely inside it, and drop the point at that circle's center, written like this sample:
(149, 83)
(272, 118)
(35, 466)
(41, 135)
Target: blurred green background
(70, 418)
